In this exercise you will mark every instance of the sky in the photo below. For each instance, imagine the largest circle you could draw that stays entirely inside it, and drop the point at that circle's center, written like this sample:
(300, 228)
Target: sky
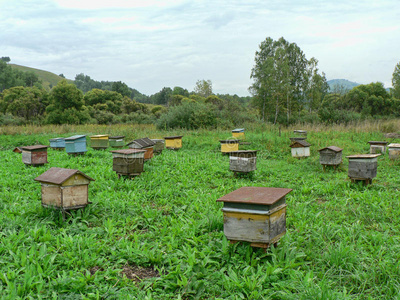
(151, 44)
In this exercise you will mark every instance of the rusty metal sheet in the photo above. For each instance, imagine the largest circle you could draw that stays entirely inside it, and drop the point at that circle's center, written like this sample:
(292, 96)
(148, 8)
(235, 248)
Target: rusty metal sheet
(333, 148)
(366, 156)
(255, 195)
(59, 175)
(33, 148)
(377, 143)
(128, 151)
(173, 137)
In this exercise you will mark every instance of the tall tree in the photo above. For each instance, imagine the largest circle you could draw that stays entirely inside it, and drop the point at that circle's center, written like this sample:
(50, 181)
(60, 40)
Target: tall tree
(203, 88)
(396, 81)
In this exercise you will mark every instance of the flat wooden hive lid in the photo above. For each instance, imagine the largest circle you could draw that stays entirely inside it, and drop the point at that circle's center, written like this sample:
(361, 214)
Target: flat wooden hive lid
(233, 153)
(173, 137)
(128, 151)
(229, 141)
(394, 145)
(56, 139)
(36, 147)
(363, 156)
(74, 137)
(377, 142)
(255, 195)
(59, 175)
(99, 136)
(116, 137)
(333, 148)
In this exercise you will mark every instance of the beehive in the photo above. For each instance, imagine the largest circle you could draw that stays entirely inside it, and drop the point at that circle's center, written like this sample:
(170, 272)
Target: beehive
(144, 144)
(255, 214)
(116, 141)
(238, 133)
(34, 155)
(229, 145)
(363, 167)
(300, 148)
(243, 161)
(377, 147)
(158, 146)
(57, 143)
(330, 156)
(173, 142)
(300, 133)
(99, 142)
(394, 151)
(128, 162)
(75, 145)
(64, 189)
(294, 139)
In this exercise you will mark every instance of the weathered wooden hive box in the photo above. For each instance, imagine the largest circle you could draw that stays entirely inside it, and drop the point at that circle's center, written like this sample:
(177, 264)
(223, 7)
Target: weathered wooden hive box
(57, 143)
(300, 133)
(144, 144)
(34, 155)
(17, 150)
(116, 141)
(238, 133)
(394, 151)
(173, 142)
(330, 156)
(64, 189)
(243, 161)
(377, 147)
(363, 166)
(158, 146)
(300, 148)
(255, 214)
(99, 142)
(294, 139)
(75, 144)
(229, 145)
(128, 162)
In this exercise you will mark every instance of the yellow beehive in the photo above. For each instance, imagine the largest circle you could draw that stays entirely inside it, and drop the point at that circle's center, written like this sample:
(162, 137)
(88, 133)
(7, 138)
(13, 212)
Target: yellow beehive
(173, 142)
(238, 133)
(229, 145)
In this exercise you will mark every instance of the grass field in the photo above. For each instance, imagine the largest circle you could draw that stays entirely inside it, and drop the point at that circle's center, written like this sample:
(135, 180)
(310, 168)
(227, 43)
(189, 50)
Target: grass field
(160, 236)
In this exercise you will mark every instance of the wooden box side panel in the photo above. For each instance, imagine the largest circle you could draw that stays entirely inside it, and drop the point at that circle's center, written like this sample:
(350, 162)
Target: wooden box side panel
(330, 158)
(229, 147)
(246, 227)
(173, 143)
(359, 169)
(394, 153)
(277, 223)
(51, 195)
(76, 179)
(73, 196)
(27, 157)
(39, 157)
(149, 153)
(128, 166)
(301, 152)
(116, 143)
(242, 164)
(238, 134)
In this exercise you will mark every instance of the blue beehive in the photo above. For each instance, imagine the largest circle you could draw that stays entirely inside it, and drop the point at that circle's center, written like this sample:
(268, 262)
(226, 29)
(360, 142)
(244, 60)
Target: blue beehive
(57, 143)
(75, 144)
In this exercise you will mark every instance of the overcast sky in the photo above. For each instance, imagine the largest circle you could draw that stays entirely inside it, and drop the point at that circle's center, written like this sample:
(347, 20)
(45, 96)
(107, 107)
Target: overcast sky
(151, 44)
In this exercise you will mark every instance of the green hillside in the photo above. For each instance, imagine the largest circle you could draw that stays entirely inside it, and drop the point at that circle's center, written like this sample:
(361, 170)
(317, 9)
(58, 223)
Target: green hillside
(341, 84)
(48, 79)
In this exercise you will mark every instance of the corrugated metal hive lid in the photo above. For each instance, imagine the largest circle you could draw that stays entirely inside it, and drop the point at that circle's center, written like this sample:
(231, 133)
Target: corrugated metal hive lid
(144, 142)
(300, 143)
(363, 156)
(59, 175)
(35, 147)
(377, 142)
(75, 137)
(333, 148)
(128, 151)
(173, 137)
(255, 195)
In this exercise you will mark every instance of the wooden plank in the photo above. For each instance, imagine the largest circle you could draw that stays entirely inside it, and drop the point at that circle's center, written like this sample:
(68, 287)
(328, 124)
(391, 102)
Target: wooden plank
(74, 196)
(76, 179)
(51, 195)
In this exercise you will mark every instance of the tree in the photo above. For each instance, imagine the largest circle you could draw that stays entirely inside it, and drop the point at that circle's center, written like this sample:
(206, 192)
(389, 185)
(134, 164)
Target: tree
(121, 88)
(396, 82)
(203, 88)
(162, 97)
(5, 59)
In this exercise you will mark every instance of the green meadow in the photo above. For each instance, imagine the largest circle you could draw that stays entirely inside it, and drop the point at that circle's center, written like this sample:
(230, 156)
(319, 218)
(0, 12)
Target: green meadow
(160, 236)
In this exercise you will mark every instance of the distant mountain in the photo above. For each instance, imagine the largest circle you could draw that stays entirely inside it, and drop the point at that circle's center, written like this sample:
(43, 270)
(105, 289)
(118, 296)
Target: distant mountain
(48, 79)
(341, 85)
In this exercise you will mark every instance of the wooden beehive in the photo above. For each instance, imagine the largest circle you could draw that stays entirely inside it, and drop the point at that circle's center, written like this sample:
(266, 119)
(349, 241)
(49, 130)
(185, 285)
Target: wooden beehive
(377, 147)
(229, 145)
(300, 133)
(34, 155)
(394, 151)
(17, 150)
(57, 143)
(128, 162)
(99, 142)
(64, 189)
(363, 167)
(330, 156)
(255, 214)
(116, 141)
(238, 133)
(173, 142)
(158, 146)
(243, 161)
(75, 145)
(293, 139)
(144, 144)
(300, 148)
